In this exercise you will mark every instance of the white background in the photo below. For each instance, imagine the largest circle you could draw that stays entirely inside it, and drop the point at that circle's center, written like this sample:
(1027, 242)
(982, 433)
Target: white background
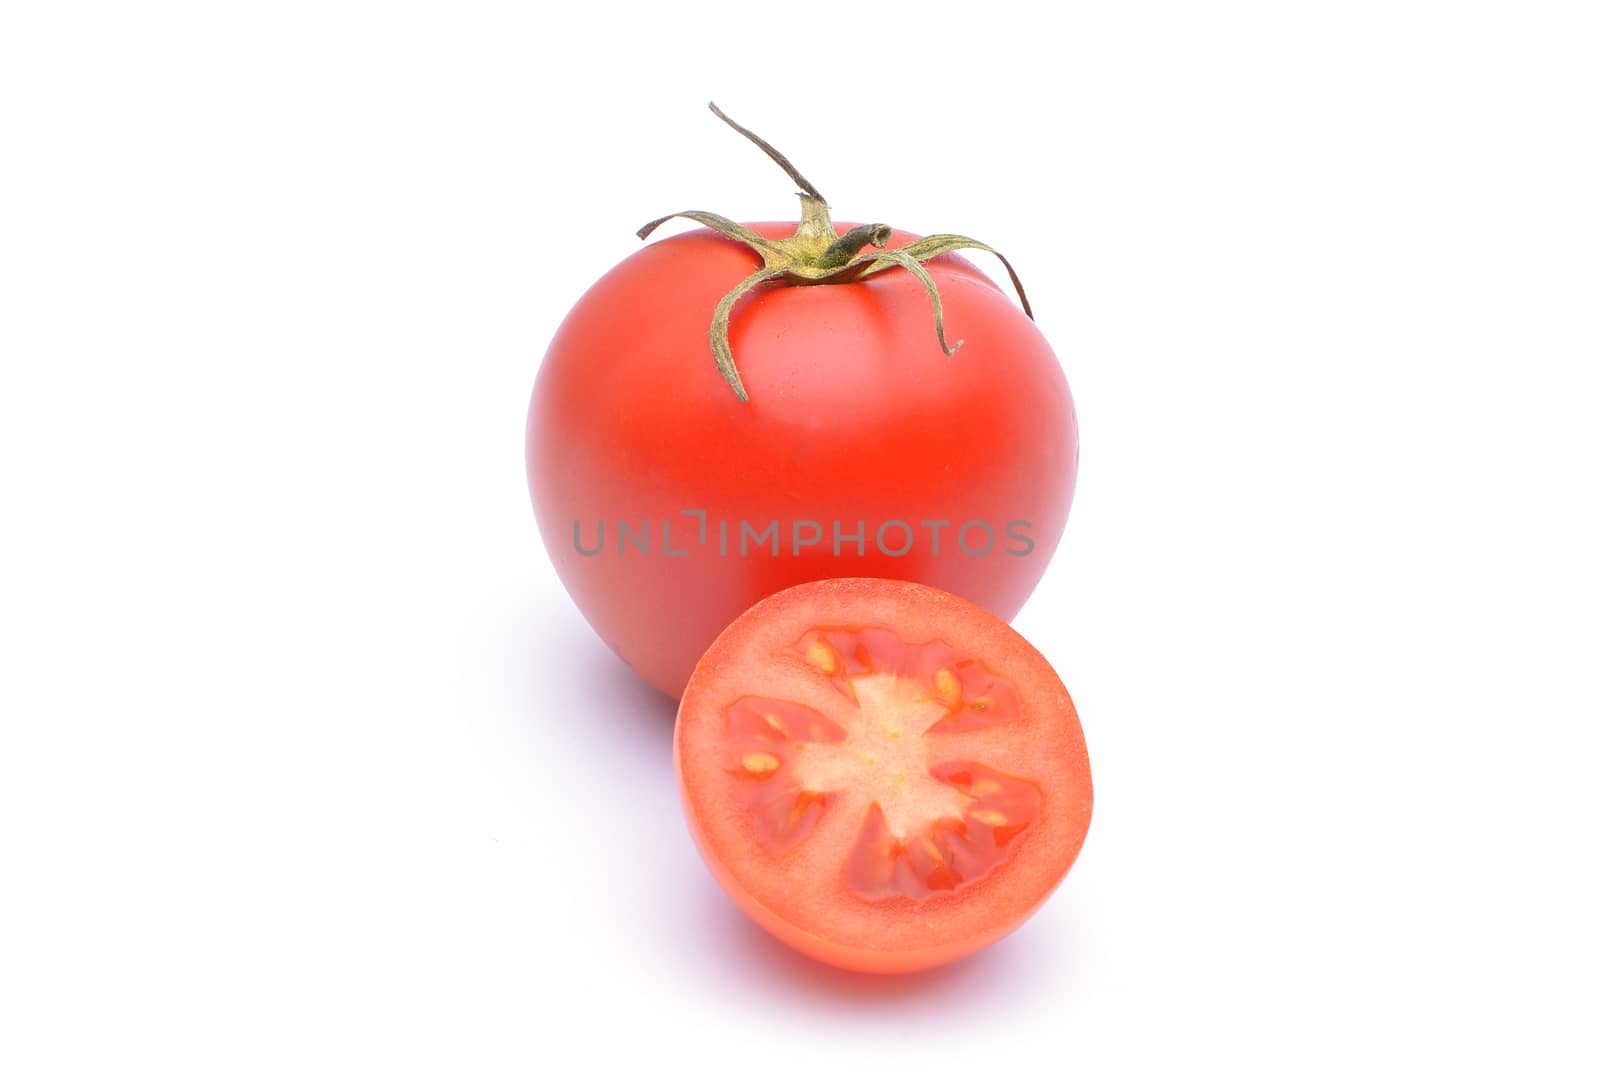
(306, 757)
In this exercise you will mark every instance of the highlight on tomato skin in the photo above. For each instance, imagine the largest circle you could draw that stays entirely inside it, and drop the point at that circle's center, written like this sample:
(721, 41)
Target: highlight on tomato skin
(883, 775)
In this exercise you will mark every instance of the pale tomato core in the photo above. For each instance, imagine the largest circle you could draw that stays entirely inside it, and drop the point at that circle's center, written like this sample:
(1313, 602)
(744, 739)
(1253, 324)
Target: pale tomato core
(929, 828)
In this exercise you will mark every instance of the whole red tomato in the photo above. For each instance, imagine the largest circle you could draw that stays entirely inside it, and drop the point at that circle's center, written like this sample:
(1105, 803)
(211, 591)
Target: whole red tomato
(669, 504)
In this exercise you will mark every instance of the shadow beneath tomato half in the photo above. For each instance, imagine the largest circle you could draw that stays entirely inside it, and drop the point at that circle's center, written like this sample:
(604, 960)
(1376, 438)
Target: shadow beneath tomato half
(580, 701)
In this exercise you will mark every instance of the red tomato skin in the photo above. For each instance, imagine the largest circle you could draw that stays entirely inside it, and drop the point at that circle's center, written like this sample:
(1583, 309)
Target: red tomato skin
(854, 416)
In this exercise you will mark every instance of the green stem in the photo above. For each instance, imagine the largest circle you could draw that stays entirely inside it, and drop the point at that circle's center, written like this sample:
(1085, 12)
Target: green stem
(845, 248)
(777, 157)
(817, 253)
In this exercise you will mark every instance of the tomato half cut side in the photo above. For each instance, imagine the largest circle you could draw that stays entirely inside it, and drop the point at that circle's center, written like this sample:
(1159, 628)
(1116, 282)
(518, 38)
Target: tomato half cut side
(883, 775)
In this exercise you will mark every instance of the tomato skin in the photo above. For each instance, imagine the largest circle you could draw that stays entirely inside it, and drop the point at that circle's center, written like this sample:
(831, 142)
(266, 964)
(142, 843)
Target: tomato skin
(805, 902)
(855, 415)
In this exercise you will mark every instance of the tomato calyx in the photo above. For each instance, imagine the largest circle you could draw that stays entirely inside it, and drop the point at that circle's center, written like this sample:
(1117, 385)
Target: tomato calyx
(816, 254)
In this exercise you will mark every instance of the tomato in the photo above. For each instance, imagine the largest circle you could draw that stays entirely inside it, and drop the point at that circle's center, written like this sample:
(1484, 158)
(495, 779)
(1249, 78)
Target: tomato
(954, 471)
(883, 775)
(669, 504)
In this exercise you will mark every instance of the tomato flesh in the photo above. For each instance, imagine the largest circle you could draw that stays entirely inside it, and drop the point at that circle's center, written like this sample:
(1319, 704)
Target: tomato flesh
(882, 774)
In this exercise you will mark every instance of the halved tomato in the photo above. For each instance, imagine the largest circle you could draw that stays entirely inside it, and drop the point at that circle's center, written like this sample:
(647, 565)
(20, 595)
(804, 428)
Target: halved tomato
(883, 775)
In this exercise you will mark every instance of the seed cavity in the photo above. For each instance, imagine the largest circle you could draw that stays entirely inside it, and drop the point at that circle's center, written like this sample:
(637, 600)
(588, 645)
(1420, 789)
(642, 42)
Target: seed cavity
(804, 803)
